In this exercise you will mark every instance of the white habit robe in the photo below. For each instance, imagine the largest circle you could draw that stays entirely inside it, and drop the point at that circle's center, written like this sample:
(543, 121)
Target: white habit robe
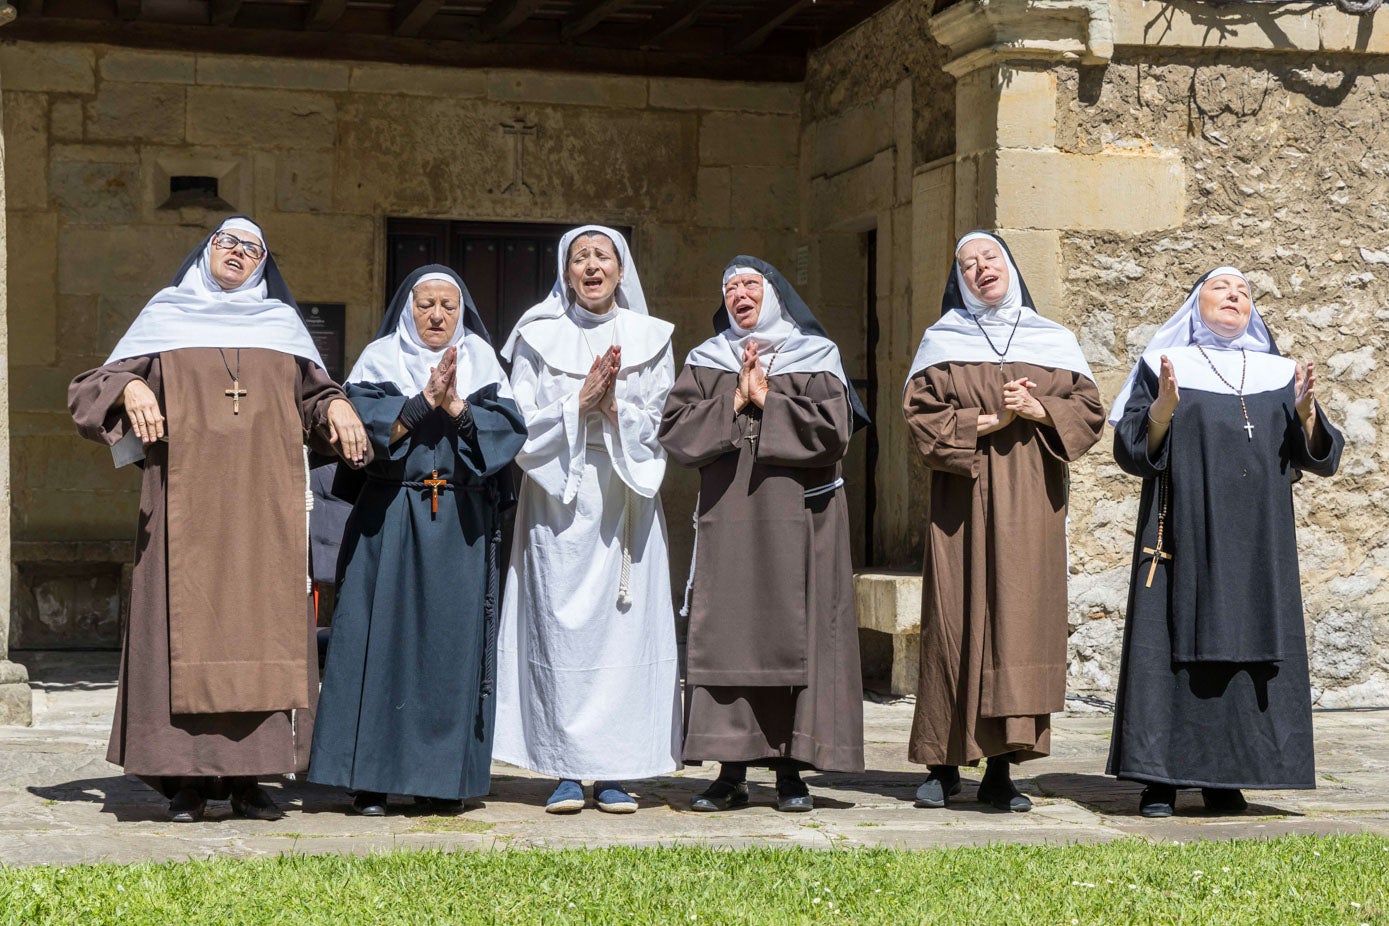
(587, 681)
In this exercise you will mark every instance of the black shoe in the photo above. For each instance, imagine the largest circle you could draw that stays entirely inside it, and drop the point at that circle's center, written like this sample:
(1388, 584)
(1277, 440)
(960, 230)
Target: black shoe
(369, 804)
(187, 806)
(721, 795)
(255, 804)
(1224, 801)
(795, 803)
(439, 805)
(1157, 801)
(942, 783)
(997, 789)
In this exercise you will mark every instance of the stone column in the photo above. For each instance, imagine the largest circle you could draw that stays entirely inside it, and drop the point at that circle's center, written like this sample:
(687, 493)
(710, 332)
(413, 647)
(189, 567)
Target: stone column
(16, 702)
(1009, 174)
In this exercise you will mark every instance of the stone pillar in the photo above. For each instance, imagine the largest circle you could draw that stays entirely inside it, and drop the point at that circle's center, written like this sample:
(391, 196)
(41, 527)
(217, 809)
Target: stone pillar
(16, 702)
(1009, 174)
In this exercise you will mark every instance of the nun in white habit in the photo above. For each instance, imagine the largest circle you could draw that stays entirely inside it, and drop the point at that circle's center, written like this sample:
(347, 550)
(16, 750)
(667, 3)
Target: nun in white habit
(999, 402)
(587, 675)
(1213, 683)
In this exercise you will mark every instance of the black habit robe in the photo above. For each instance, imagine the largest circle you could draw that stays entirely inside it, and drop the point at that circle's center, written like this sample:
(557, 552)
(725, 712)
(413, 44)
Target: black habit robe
(773, 662)
(1213, 684)
(406, 705)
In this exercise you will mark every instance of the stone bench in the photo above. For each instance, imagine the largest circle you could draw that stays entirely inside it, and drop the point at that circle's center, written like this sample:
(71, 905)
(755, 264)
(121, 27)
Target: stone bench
(889, 603)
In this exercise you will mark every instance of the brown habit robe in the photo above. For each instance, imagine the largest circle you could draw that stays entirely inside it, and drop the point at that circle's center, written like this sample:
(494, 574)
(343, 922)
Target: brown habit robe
(773, 664)
(219, 671)
(993, 614)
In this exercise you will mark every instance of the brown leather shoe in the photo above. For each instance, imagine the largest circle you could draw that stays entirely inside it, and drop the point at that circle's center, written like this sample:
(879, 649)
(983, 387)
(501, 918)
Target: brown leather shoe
(254, 803)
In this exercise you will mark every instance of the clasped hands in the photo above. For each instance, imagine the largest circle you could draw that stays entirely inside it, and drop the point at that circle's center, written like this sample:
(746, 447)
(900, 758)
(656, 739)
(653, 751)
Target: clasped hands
(599, 391)
(442, 389)
(1018, 402)
(752, 380)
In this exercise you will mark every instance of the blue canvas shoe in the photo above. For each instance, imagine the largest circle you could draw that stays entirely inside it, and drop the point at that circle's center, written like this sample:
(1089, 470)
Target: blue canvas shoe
(568, 798)
(611, 798)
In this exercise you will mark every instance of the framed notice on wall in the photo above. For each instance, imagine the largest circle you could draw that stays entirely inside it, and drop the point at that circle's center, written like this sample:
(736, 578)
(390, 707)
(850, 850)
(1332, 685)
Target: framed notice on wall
(327, 324)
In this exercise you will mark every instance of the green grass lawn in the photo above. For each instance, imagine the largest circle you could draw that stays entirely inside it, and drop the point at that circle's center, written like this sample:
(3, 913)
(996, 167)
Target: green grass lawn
(1283, 881)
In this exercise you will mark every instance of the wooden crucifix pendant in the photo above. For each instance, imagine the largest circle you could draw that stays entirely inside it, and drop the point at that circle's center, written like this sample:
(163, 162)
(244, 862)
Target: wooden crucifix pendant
(235, 393)
(434, 483)
(1157, 554)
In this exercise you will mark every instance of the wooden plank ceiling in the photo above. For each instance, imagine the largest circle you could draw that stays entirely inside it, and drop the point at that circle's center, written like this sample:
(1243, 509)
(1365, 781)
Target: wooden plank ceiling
(732, 39)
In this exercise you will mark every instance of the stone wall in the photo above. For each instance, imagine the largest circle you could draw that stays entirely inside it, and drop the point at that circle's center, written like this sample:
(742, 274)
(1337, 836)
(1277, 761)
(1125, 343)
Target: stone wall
(877, 107)
(321, 153)
(1286, 163)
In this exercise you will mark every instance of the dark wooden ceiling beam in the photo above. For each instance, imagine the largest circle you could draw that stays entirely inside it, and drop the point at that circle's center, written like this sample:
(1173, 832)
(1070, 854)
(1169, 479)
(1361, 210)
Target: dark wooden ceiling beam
(324, 14)
(223, 12)
(411, 16)
(754, 30)
(129, 10)
(501, 16)
(589, 15)
(29, 7)
(678, 18)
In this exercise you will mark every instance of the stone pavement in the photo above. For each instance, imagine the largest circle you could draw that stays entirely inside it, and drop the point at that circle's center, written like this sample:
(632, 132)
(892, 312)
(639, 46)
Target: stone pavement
(61, 803)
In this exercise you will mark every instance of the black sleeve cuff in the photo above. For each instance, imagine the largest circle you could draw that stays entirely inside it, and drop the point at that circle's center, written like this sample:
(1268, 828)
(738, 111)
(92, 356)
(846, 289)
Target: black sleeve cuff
(414, 411)
(464, 423)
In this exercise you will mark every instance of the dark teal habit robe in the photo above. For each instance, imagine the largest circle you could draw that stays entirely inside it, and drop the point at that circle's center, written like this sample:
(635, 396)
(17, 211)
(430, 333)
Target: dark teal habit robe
(406, 705)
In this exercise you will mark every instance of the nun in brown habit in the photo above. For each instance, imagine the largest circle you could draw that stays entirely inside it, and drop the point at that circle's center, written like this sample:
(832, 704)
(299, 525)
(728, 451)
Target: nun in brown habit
(764, 411)
(999, 402)
(213, 391)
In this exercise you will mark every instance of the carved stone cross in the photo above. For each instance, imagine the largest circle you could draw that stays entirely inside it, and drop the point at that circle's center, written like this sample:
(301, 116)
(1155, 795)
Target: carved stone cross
(519, 129)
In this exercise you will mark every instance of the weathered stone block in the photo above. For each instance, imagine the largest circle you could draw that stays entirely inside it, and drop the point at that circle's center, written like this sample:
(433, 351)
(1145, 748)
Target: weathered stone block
(1129, 192)
(32, 240)
(300, 240)
(47, 68)
(906, 663)
(737, 138)
(136, 112)
(26, 150)
(1038, 256)
(275, 73)
(713, 191)
(765, 197)
(724, 96)
(16, 703)
(271, 118)
(1026, 109)
(852, 200)
(585, 90)
(116, 261)
(419, 81)
(148, 67)
(65, 119)
(95, 193)
(854, 136)
(889, 602)
(304, 182)
(933, 239)
(65, 604)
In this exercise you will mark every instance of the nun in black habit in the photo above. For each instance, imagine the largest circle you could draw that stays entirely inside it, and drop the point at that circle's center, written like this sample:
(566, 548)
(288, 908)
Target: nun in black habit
(1213, 686)
(407, 704)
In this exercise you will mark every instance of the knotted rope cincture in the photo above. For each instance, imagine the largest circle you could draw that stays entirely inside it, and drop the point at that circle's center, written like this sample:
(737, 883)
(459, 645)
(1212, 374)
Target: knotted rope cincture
(624, 587)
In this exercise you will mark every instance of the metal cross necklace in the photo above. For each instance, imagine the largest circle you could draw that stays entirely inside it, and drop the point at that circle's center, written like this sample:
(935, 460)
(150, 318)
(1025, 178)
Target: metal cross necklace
(1244, 368)
(1001, 353)
(753, 432)
(235, 392)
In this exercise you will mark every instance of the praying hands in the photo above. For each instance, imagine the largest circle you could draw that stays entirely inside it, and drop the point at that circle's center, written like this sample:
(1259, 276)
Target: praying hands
(599, 391)
(442, 389)
(1018, 402)
(752, 381)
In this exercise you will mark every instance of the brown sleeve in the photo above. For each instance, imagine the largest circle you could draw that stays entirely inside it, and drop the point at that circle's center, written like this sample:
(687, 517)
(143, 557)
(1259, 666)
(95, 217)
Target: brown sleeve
(95, 400)
(806, 421)
(316, 392)
(697, 427)
(1077, 419)
(946, 436)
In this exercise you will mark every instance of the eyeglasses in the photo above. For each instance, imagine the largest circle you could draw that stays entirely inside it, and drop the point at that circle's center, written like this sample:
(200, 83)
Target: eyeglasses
(229, 242)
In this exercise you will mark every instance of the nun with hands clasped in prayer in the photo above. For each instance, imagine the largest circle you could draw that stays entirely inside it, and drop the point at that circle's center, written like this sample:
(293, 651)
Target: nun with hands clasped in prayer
(589, 687)
(999, 403)
(214, 390)
(1213, 683)
(407, 703)
(764, 410)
